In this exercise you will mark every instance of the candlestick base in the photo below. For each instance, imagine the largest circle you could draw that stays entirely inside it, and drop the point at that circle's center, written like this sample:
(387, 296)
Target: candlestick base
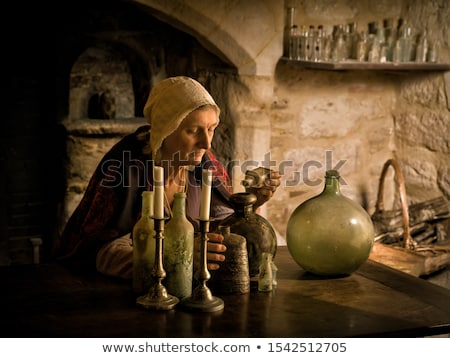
(202, 300)
(157, 298)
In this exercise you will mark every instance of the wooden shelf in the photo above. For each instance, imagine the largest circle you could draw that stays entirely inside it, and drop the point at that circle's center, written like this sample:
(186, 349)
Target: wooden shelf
(356, 65)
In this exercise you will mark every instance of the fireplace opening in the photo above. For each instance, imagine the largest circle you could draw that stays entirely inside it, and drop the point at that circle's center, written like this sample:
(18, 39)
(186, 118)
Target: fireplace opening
(102, 106)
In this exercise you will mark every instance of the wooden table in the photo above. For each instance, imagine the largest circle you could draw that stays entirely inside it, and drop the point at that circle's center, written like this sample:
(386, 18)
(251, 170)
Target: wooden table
(49, 300)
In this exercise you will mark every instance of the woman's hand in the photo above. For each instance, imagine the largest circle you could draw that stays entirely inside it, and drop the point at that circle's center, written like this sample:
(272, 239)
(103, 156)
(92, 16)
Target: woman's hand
(215, 248)
(266, 191)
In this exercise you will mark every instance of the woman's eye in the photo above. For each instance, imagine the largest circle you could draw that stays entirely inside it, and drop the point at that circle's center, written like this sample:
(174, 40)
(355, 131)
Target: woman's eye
(197, 131)
(192, 131)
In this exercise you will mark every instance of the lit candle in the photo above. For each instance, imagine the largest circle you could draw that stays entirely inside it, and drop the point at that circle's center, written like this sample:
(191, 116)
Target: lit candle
(206, 194)
(158, 188)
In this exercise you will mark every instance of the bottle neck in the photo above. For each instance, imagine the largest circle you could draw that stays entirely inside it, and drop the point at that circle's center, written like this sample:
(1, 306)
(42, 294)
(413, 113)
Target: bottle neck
(290, 16)
(147, 203)
(243, 203)
(332, 185)
(244, 210)
(179, 205)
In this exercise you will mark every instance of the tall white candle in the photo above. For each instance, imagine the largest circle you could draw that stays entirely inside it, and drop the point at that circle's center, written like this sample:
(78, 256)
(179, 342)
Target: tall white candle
(206, 194)
(158, 188)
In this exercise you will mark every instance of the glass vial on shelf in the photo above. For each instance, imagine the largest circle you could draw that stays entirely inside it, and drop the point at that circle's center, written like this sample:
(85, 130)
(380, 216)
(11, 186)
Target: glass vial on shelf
(265, 277)
(433, 52)
(352, 40)
(143, 238)
(302, 36)
(405, 40)
(339, 51)
(361, 47)
(179, 250)
(327, 44)
(422, 48)
(309, 43)
(289, 22)
(319, 43)
(391, 37)
(293, 43)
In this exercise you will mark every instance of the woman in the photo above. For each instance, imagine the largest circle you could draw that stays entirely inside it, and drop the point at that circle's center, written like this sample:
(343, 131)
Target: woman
(182, 117)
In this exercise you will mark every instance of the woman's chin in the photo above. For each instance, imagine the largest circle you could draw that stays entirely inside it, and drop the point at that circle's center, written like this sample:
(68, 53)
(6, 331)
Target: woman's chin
(195, 160)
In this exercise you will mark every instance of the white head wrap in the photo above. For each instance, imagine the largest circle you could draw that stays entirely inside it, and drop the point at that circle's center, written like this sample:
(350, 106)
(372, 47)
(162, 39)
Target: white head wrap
(169, 102)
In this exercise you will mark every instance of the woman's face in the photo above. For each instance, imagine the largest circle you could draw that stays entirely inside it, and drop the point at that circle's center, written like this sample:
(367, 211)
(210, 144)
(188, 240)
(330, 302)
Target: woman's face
(189, 142)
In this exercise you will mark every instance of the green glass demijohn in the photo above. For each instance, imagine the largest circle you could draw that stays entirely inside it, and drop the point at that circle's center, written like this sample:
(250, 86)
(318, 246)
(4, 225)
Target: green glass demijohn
(330, 234)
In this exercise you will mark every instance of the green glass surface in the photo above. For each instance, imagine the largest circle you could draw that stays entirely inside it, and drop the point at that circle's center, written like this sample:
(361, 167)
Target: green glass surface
(330, 234)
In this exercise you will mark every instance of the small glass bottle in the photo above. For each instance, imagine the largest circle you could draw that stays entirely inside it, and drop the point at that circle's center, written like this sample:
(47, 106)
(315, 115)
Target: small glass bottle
(274, 273)
(361, 47)
(352, 40)
(293, 43)
(339, 51)
(319, 43)
(143, 237)
(179, 250)
(422, 48)
(309, 47)
(265, 278)
(302, 35)
(405, 38)
(391, 37)
(289, 22)
(327, 43)
(433, 52)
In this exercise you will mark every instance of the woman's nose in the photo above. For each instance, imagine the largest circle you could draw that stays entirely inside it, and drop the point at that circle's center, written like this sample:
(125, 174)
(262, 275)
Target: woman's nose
(205, 140)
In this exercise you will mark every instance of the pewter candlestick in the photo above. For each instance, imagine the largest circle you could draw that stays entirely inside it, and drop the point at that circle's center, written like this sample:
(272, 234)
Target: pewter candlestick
(202, 298)
(157, 297)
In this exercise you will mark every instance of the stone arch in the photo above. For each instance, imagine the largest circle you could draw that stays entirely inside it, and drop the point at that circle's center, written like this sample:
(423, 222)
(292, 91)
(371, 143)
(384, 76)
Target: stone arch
(218, 27)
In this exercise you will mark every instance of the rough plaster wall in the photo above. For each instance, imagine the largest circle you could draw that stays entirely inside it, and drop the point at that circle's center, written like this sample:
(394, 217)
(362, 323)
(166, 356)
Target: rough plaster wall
(327, 120)
(422, 118)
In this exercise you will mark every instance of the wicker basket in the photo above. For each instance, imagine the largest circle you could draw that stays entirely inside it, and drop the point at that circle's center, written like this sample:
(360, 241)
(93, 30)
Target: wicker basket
(406, 255)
